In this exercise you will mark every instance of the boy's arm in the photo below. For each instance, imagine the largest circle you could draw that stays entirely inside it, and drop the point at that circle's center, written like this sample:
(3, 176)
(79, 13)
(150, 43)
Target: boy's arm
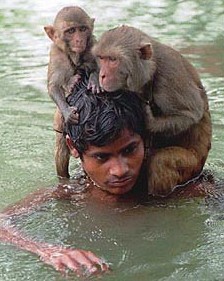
(61, 258)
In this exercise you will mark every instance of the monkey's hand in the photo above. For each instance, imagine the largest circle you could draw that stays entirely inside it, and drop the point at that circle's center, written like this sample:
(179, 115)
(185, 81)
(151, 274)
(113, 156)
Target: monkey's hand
(71, 115)
(83, 263)
(93, 83)
(149, 115)
(73, 81)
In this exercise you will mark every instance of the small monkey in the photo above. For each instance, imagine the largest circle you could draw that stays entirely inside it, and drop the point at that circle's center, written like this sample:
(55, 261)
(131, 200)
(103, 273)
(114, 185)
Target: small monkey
(70, 59)
(176, 106)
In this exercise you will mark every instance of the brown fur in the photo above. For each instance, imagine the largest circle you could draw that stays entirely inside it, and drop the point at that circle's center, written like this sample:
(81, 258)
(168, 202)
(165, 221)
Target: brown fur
(65, 68)
(178, 118)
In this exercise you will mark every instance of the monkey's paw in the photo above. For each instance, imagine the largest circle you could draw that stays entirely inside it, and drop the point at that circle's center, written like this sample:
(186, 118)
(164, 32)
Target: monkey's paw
(72, 115)
(73, 81)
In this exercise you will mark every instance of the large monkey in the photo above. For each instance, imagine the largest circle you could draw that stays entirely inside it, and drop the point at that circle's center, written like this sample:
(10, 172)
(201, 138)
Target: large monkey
(70, 57)
(178, 119)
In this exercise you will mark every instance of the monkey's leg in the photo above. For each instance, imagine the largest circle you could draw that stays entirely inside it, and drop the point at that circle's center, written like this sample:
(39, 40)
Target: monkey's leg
(172, 166)
(62, 156)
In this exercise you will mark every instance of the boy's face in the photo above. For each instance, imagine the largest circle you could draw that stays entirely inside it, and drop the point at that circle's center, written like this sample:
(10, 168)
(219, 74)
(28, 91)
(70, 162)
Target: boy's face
(115, 167)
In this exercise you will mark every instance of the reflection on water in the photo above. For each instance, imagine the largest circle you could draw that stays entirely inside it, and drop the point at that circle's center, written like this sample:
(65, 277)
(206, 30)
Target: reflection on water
(173, 241)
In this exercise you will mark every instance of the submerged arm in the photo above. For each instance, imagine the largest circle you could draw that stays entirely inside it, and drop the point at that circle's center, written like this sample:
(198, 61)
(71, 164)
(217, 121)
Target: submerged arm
(61, 258)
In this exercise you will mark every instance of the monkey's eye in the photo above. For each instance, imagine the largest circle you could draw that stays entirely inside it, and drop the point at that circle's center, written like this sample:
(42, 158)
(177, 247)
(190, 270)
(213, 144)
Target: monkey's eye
(71, 30)
(100, 57)
(113, 59)
(82, 28)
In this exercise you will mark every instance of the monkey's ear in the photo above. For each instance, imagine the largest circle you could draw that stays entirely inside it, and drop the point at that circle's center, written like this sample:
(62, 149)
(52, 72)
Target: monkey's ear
(71, 147)
(49, 29)
(92, 20)
(145, 51)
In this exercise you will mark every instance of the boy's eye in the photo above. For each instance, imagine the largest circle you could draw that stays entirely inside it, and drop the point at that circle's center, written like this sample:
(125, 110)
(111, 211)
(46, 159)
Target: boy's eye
(129, 150)
(101, 157)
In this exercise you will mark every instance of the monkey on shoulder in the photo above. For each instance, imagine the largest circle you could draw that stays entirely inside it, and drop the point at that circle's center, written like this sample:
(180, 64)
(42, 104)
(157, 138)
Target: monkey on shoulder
(176, 105)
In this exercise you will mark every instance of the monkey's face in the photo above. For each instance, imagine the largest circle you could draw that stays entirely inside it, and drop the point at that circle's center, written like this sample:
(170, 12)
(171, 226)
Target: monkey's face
(111, 76)
(125, 59)
(76, 38)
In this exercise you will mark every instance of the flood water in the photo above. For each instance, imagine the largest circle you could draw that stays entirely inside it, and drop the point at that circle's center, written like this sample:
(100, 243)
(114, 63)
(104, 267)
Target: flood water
(178, 240)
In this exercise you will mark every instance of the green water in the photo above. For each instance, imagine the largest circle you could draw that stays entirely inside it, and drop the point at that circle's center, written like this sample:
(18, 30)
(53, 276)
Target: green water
(181, 240)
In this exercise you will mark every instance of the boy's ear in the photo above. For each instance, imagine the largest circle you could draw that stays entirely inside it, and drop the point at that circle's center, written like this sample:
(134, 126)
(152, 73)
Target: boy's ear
(71, 147)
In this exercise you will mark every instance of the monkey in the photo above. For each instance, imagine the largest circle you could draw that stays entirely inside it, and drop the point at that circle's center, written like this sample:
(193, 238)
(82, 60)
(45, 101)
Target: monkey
(179, 130)
(70, 59)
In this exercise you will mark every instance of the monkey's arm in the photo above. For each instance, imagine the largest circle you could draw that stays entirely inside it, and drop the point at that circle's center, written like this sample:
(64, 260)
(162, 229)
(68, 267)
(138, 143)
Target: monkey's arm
(170, 125)
(61, 258)
(94, 84)
(59, 73)
(90, 68)
(176, 115)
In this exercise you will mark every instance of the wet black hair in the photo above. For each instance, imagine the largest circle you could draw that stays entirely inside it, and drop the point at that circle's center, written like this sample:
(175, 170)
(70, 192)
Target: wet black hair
(103, 117)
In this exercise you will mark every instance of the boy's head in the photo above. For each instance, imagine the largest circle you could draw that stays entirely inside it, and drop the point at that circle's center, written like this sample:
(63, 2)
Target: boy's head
(108, 138)
(102, 117)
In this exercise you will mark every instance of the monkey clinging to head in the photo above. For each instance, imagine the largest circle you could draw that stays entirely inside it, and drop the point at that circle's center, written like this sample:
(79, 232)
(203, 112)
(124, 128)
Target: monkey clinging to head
(70, 58)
